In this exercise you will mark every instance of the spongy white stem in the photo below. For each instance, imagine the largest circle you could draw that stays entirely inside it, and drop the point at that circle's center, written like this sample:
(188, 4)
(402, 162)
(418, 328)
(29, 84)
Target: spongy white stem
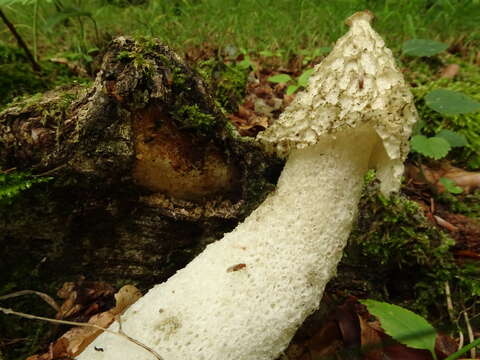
(244, 297)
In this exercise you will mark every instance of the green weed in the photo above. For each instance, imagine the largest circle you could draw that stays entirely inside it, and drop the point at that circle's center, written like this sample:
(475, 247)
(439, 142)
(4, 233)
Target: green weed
(269, 25)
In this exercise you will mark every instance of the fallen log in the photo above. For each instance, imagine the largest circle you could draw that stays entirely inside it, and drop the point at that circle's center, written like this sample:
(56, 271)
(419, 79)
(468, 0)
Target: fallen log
(145, 170)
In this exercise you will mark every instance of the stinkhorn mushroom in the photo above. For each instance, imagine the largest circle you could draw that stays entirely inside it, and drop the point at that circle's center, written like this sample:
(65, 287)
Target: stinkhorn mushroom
(245, 295)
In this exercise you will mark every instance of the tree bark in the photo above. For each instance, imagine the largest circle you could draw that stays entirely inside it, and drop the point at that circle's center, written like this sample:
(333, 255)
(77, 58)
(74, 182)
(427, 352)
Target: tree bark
(146, 171)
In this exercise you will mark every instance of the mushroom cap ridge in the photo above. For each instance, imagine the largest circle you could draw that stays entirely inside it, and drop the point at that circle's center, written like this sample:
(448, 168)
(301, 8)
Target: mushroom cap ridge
(357, 84)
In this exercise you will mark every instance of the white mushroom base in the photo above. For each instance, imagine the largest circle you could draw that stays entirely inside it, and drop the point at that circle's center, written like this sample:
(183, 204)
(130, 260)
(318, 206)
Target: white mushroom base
(244, 297)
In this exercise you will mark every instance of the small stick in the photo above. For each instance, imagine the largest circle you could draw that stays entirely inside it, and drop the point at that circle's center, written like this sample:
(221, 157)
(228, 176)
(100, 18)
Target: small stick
(448, 295)
(43, 296)
(471, 337)
(74, 323)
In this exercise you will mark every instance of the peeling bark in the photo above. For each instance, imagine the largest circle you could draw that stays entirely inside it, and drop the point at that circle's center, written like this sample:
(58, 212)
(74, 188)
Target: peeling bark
(146, 170)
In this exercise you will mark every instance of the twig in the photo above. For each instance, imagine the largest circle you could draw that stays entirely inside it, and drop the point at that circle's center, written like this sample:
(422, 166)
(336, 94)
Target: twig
(21, 43)
(43, 296)
(448, 295)
(461, 340)
(471, 337)
(74, 323)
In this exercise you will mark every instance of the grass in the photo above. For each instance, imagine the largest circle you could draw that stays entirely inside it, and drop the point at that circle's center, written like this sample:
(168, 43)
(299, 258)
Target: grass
(284, 26)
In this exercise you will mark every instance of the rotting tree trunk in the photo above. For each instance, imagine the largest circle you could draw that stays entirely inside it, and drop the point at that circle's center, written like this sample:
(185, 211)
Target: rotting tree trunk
(145, 170)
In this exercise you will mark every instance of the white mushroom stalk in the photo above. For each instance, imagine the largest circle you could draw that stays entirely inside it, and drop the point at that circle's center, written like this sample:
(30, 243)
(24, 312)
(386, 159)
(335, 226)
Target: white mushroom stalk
(244, 297)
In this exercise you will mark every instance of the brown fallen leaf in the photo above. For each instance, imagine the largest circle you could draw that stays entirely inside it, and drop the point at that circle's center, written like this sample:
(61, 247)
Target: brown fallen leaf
(244, 112)
(399, 351)
(74, 341)
(84, 298)
(445, 224)
(467, 254)
(326, 342)
(450, 71)
(77, 339)
(445, 345)
(467, 180)
(370, 340)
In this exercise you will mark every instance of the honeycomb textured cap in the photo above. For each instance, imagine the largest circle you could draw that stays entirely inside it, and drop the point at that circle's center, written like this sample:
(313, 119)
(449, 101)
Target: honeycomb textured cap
(358, 83)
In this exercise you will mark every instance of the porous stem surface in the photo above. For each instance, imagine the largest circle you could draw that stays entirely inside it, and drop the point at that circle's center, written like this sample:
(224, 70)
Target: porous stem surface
(244, 297)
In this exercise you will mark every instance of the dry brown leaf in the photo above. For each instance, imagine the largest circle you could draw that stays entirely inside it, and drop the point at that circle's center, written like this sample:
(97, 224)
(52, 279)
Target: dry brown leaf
(327, 341)
(125, 297)
(450, 71)
(467, 180)
(74, 341)
(467, 254)
(77, 339)
(445, 224)
(399, 351)
(244, 113)
(370, 340)
(264, 92)
(445, 345)
(83, 298)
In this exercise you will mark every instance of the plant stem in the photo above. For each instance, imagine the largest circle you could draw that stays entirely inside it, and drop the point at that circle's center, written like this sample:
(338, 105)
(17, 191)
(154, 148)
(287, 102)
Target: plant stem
(21, 43)
(35, 18)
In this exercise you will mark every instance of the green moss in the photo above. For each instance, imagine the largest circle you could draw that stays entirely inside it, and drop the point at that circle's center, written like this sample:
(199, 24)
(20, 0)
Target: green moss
(411, 258)
(192, 118)
(227, 81)
(137, 57)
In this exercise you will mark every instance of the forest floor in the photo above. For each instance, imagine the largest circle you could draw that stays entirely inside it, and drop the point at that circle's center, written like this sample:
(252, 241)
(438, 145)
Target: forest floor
(424, 244)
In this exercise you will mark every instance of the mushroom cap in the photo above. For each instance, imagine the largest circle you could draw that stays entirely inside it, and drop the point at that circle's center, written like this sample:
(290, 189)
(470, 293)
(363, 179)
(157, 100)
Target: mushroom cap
(356, 85)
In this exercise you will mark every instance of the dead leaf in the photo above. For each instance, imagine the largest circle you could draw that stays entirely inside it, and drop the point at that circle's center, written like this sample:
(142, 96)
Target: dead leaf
(327, 341)
(125, 297)
(467, 254)
(264, 92)
(399, 351)
(445, 345)
(77, 339)
(445, 224)
(74, 341)
(348, 324)
(468, 235)
(84, 298)
(370, 340)
(467, 180)
(244, 113)
(450, 71)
